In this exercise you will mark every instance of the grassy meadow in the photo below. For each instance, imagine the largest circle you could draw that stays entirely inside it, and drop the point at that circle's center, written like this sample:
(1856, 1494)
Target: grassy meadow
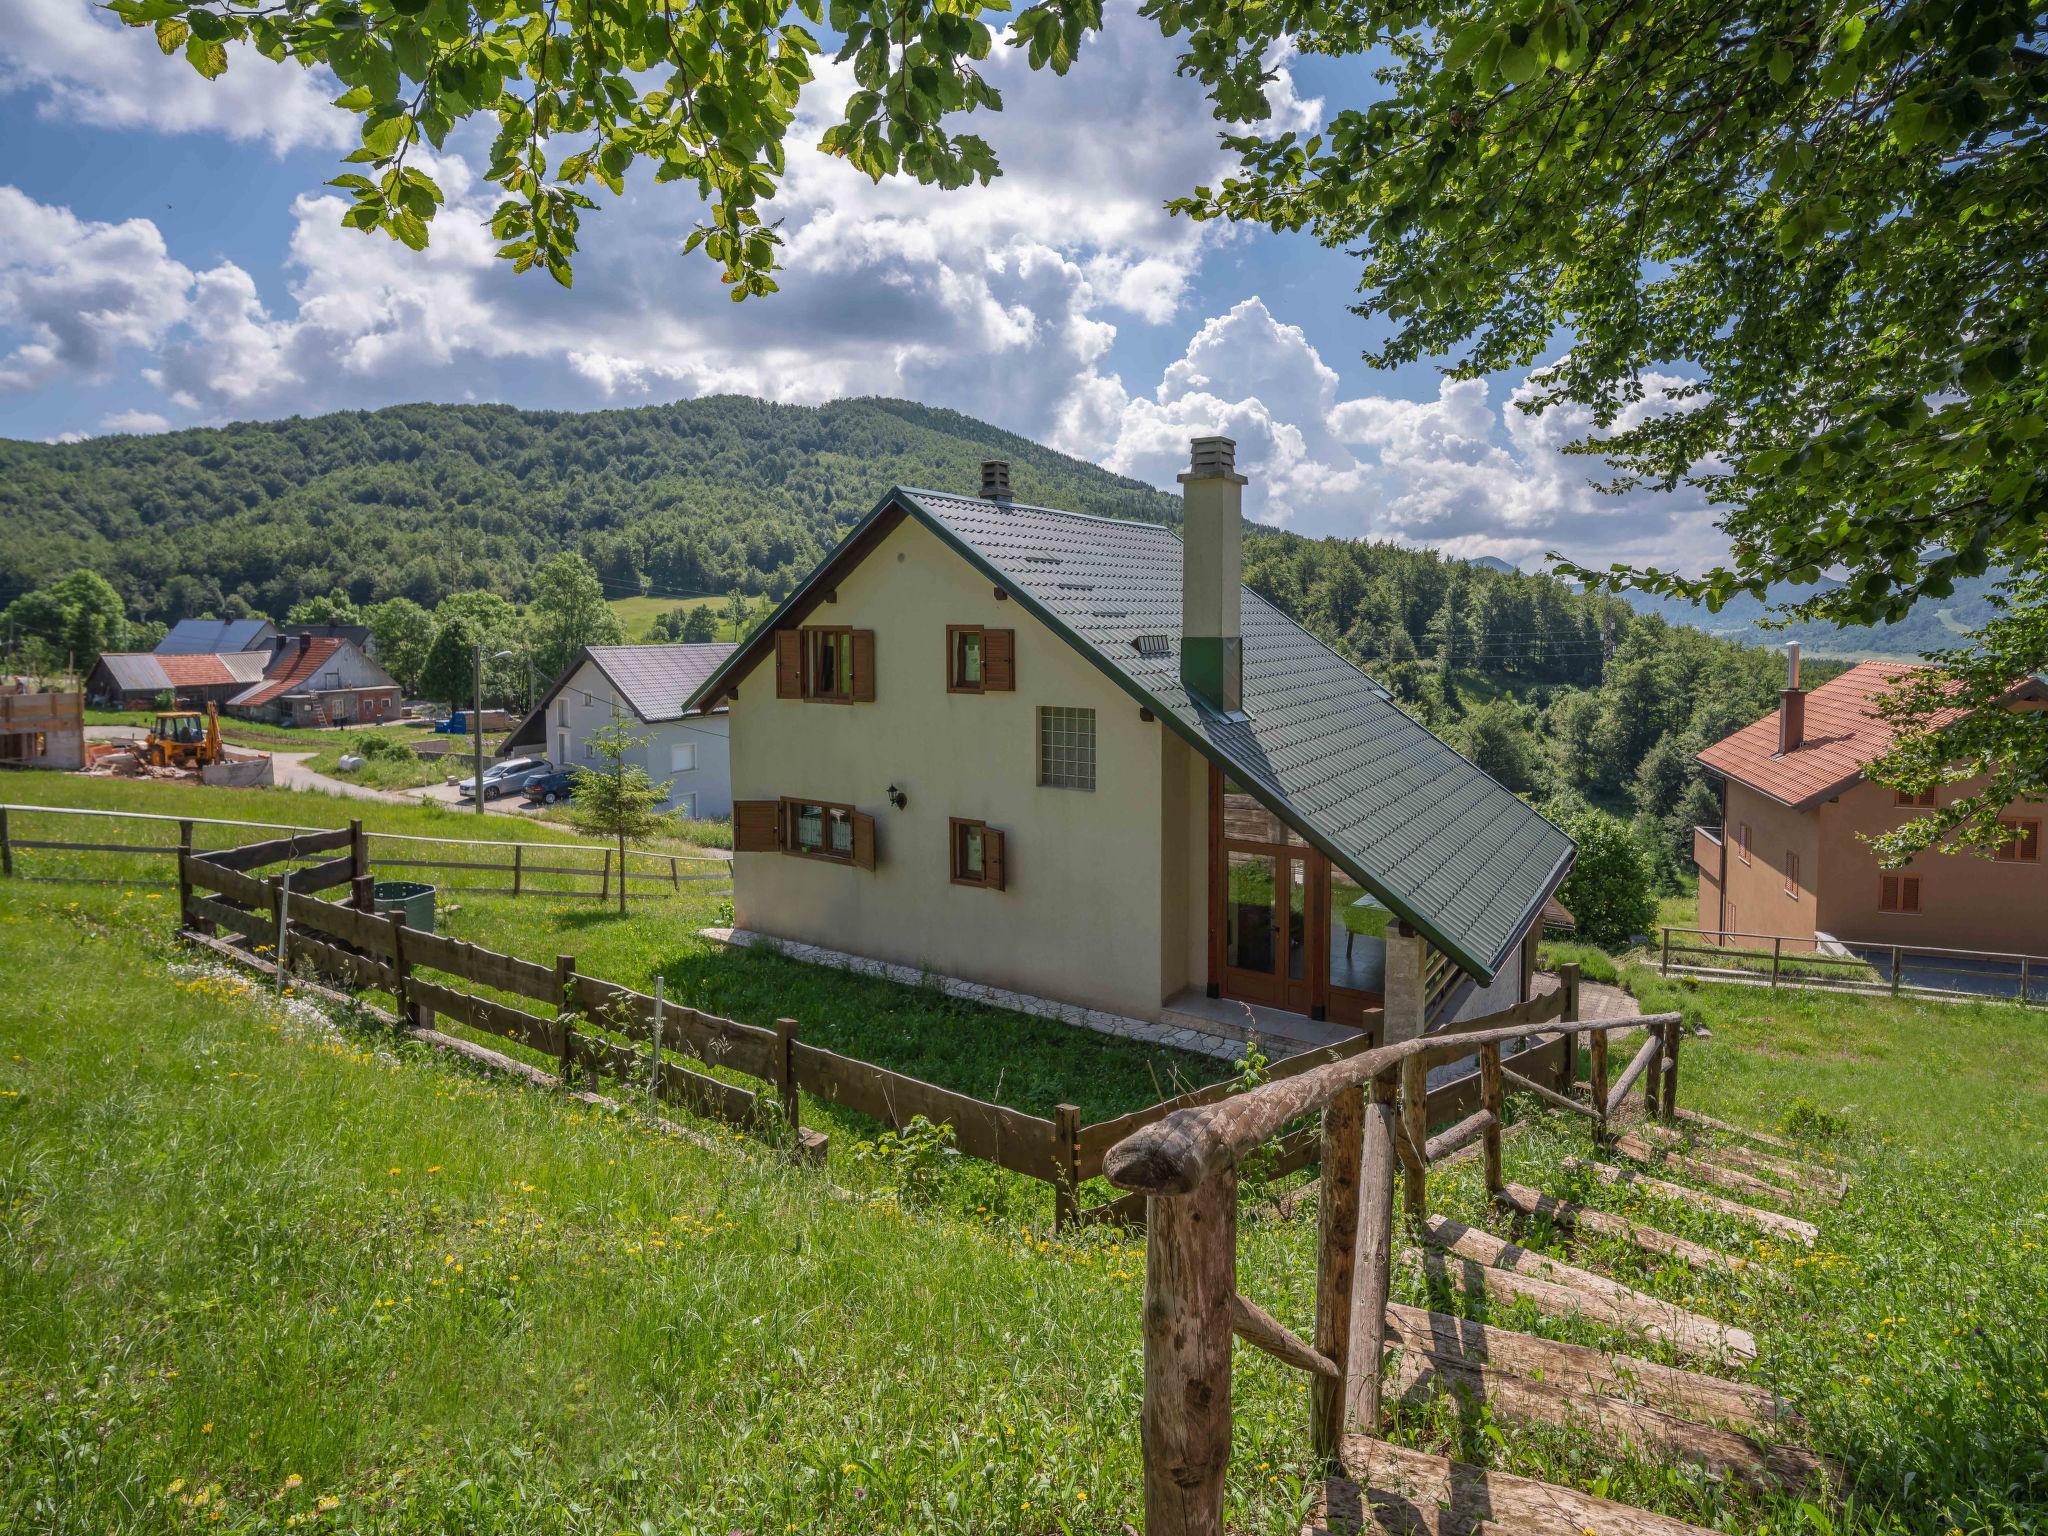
(266, 1269)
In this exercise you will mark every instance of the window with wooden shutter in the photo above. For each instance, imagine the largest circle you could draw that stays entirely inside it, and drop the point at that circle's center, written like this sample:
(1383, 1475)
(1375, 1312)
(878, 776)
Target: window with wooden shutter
(2022, 842)
(995, 863)
(975, 854)
(1923, 801)
(965, 653)
(1791, 874)
(789, 664)
(999, 660)
(756, 825)
(863, 667)
(1898, 893)
(863, 841)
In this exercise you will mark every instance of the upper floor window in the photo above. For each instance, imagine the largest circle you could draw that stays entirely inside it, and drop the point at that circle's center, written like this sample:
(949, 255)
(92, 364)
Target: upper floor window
(2022, 843)
(562, 710)
(1742, 842)
(1066, 748)
(1791, 874)
(978, 855)
(1923, 801)
(814, 829)
(980, 660)
(830, 665)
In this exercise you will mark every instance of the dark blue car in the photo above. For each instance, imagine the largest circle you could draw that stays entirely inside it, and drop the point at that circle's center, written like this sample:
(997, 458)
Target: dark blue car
(547, 788)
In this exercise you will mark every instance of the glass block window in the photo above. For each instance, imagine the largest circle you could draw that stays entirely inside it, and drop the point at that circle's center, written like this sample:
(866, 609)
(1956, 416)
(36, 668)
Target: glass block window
(1066, 748)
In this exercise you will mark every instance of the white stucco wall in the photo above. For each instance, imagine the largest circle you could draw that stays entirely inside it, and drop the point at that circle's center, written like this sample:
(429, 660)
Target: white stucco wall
(588, 703)
(1096, 911)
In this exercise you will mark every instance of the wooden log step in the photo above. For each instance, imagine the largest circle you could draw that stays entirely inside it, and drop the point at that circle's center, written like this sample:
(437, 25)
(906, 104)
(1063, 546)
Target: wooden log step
(1763, 1465)
(1583, 1219)
(1770, 1221)
(1689, 1394)
(1766, 1138)
(1400, 1492)
(1732, 1179)
(1821, 1181)
(1712, 1343)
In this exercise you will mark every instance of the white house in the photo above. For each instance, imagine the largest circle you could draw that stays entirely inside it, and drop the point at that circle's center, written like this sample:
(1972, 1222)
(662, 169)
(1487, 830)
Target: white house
(1073, 758)
(646, 687)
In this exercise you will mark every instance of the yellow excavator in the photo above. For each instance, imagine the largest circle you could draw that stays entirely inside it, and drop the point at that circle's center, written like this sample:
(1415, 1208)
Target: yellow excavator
(183, 738)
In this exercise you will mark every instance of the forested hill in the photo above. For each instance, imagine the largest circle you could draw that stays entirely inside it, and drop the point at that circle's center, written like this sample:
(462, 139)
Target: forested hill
(712, 495)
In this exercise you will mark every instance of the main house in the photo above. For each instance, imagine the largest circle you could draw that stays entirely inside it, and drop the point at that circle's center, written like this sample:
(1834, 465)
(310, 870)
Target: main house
(647, 688)
(1071, 757)
(1790, 858)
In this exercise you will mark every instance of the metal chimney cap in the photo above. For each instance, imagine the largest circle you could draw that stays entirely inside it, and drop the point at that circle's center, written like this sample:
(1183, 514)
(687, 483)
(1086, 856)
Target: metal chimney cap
(1212, 458)
(995, 479)
(1791, 663)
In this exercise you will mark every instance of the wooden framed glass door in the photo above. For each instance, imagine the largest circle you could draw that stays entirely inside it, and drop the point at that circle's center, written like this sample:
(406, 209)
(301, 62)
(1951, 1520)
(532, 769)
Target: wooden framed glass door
(1267, 904)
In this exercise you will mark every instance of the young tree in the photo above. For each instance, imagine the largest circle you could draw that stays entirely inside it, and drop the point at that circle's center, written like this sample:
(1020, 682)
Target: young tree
(700, 625)
(568, 612)
(616, 799)
(337, 607)
(403, 632)
(495, 623)
(449, 671)
(1608, 890)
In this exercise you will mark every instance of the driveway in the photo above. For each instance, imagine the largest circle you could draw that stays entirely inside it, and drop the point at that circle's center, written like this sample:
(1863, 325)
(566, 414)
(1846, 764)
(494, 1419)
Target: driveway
(289, 769)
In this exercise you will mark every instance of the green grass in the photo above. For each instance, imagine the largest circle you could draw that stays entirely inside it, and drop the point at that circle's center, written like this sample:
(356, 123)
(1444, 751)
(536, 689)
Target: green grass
(200, 1226)
(636, 615)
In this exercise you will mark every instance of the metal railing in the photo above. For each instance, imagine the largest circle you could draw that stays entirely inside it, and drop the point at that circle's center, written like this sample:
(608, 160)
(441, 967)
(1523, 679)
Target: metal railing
(1876, 968)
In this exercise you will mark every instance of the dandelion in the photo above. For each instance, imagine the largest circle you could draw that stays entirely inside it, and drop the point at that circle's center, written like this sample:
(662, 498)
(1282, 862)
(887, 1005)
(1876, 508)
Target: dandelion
(325, 1502)
(206, 1428)
(176, 1485)
(292, 1482)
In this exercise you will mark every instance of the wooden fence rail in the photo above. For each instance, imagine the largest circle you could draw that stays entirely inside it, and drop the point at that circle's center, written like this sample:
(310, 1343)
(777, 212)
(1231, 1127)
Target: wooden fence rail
(1375, 1115)
(396, 851)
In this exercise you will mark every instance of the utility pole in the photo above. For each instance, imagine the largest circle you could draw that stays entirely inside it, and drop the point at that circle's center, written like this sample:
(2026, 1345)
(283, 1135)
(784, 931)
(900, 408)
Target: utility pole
(476, 722)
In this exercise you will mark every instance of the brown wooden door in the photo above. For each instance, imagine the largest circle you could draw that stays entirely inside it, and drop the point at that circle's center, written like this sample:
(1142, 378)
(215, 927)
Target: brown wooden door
(1266, 903)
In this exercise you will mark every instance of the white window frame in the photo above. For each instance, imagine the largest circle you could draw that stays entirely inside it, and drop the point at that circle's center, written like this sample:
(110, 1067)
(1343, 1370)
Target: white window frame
(682, 757)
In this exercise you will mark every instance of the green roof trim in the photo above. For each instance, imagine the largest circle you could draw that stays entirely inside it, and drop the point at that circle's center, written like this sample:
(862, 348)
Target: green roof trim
(1321, 745)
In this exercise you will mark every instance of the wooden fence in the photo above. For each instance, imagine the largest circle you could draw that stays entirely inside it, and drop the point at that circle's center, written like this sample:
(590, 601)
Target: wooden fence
(1375, 1117)
(571, 870)
(348, 943)
(1896, 970)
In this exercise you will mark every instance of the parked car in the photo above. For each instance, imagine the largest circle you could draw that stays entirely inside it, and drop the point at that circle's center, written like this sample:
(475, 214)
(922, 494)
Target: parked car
(505, 777)
(547, 788)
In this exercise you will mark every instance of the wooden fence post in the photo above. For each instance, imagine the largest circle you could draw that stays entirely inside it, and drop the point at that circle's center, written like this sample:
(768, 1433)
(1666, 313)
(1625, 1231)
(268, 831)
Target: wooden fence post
(604, 891)
(1337, 1240)
(518, 860)
(1667, 952)
(1898, 968)
(415, 1014)
(6, 846)
(1415, 1120)
(185, 918)
(1777, 958)
(565, 980)
(358, 850)
(1568, 984)
(1190, 1280)
(1066, 1134)
(1492, 1101)
(785, 1058)
(1672, 1031)
(1596, 1079)
(362, 893)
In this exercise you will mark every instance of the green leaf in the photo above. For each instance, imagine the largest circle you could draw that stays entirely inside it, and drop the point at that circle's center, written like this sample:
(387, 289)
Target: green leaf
(1781, 64)
(1469, 40)
(209, 58)
(171, 34)
(1518, 65)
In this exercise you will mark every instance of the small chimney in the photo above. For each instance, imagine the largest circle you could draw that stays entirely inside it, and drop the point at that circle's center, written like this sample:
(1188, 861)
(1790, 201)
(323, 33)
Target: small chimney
(995, 479)
(1791, 704)
(1212, 575)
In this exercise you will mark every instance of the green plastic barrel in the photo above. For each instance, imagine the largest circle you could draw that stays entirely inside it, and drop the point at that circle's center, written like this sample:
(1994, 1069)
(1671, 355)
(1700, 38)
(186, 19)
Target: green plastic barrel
(412, 897)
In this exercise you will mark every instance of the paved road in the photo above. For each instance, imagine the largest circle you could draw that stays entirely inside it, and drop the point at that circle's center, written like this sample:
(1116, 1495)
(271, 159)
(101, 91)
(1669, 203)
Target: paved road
(290, 770)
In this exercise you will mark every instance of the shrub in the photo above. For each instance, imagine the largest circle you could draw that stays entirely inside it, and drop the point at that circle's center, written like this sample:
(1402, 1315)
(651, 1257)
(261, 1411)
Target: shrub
(384, 749)
(1608, 890)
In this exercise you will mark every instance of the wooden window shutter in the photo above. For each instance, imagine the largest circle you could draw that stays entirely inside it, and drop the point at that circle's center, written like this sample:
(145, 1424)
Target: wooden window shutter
(756, 826)
(995, 865)
(789, 664)
(1909, 893)
(999, 660)
(863, 840)
(863, 665)
(1887, 893)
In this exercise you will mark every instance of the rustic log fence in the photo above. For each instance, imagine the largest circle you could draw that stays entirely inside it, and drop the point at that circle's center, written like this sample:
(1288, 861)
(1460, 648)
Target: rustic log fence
(1376, 1115)
(513, 868)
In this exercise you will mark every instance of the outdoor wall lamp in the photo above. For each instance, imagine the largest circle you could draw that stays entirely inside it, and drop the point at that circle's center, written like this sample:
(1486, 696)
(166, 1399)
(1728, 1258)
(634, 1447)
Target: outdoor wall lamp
(897, 798)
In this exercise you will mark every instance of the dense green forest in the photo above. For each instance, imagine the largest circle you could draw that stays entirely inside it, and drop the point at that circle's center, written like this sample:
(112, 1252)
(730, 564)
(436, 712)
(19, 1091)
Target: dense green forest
(419, 501)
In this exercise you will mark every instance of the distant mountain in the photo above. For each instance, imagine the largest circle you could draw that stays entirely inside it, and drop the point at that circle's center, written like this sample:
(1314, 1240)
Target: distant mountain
(1494, 563)
(703, 496)
(1931, 626)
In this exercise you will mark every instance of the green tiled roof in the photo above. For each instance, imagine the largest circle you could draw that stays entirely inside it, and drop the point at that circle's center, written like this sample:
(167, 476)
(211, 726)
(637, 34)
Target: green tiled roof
(1441, 843)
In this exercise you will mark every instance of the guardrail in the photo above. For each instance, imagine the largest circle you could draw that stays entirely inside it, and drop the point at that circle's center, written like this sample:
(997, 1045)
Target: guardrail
(1875, 969)
(516, 863)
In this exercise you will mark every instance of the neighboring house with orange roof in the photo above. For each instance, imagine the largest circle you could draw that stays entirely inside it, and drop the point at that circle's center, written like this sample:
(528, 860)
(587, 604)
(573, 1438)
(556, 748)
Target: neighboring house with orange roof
(138, 679)
(319, 680)
(1790, 857)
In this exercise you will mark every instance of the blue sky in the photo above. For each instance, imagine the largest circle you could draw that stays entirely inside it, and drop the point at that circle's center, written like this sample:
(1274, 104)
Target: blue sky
(171, 258)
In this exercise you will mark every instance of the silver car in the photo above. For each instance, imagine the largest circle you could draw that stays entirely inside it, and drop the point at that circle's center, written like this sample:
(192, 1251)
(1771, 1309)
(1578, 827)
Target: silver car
(505, 777)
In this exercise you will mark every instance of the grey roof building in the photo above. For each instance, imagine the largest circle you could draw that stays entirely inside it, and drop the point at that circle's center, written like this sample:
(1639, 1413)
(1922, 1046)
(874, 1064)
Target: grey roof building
(210, 637)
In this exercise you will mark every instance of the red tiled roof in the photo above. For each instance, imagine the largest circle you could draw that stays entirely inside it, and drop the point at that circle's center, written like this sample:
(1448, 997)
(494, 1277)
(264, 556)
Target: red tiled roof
(196, 671)
(1843, 732)
(292, 667)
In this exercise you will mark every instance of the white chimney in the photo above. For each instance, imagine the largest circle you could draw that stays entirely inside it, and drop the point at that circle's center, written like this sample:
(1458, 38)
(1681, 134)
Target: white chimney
(1212, 575)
